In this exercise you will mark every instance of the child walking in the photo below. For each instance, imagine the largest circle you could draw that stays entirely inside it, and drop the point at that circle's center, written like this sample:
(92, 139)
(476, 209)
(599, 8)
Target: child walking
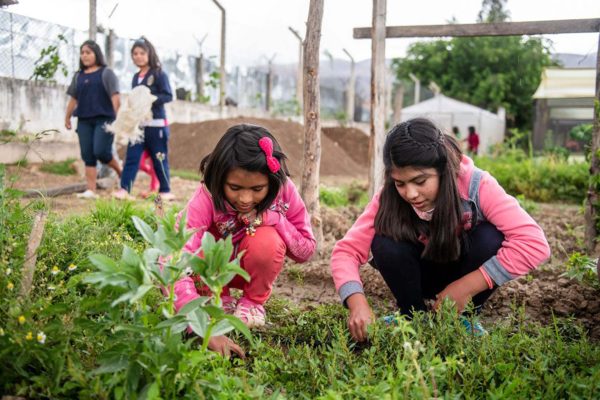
(156, 130)
(246, 194)
(439, 228)
(94, 100)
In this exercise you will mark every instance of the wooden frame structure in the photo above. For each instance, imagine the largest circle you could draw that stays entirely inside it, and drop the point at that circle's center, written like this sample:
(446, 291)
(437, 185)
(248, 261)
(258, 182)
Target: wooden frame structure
(379, 32)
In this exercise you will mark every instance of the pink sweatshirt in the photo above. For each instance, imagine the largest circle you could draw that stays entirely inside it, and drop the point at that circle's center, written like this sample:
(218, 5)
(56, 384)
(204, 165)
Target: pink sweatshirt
(287, 214)
(524, 247)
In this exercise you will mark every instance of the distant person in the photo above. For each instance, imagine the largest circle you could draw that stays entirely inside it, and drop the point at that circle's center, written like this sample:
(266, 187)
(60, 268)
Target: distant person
(95, 101)
(473, 141)
(247, 195)
(456, 132)
(439, 228)
(156, 130)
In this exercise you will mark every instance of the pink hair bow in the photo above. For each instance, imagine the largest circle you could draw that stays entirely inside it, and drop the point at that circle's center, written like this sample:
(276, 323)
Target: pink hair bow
(266, 145)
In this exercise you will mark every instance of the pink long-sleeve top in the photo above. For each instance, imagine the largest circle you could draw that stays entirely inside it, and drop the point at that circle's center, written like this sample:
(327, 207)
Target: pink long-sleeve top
(524, 247)
(287, 214)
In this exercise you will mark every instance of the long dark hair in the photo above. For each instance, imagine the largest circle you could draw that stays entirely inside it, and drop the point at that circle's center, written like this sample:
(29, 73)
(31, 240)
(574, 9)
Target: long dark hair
(238, 148)
(144, 44)
(97, 52)
(419, 143)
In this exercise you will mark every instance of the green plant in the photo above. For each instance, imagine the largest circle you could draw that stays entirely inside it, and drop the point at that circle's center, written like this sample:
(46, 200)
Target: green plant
(528, 205)
(583, 269)
(60, 168)
(49, 62)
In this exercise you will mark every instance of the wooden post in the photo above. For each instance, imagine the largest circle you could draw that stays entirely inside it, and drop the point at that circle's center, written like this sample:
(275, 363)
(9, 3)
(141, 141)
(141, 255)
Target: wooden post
(269, 82)
(350, 89)
(37, 231)
(377, 138)
(222, 67)
(110, 48)
(540, 125)
(300, 72)
(398, 104)
(591, 206)
(93, 25)
(312, 119)
(200, 70)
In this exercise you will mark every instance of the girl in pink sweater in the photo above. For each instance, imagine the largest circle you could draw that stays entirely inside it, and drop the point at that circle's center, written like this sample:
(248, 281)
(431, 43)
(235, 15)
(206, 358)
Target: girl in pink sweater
(439, 228)
(246, 194)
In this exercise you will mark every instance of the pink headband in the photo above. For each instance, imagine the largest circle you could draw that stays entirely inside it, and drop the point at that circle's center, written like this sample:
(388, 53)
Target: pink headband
(266, 145)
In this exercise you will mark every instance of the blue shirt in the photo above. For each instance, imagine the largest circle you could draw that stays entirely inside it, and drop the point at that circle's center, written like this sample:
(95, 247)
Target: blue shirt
(158, 83)
(90, 91)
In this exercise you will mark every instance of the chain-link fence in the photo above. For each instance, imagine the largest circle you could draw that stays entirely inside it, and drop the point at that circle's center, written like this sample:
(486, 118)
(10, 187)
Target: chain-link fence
(22, 40)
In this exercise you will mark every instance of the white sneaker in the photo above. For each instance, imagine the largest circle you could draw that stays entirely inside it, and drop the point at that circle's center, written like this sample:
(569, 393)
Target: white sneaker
(88, 194)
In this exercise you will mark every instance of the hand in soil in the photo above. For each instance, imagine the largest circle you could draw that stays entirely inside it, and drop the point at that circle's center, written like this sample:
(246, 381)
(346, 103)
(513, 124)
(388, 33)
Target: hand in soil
(225, 346)
(361, 316)
(462, 290)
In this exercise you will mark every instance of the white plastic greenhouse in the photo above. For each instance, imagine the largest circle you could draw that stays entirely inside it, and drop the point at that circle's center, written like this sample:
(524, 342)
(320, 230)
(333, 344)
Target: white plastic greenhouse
(447, 112)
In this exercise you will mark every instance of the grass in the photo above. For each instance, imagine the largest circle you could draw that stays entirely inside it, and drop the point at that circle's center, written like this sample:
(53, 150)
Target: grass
(186, 174)
(59, 168)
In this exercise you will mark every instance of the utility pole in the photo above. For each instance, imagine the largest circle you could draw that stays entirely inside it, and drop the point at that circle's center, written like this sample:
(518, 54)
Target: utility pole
(222, 68)
(300, 73)
(350, 89)
(93, 25)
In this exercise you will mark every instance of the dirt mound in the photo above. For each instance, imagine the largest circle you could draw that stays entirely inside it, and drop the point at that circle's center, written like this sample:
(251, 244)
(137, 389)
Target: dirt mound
(354, 142)
(189, 143)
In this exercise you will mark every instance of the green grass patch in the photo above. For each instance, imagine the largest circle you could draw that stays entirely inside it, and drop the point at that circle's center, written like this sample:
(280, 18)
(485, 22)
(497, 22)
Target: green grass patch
(353, 194)
(59, 168)
(186, 174)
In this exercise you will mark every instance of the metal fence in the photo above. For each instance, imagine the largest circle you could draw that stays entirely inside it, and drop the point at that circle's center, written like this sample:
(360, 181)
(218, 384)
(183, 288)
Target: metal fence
(22, 40)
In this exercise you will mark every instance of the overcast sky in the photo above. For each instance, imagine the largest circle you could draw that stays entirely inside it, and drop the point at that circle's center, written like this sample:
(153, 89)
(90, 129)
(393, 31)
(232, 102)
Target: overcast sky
(259, 28)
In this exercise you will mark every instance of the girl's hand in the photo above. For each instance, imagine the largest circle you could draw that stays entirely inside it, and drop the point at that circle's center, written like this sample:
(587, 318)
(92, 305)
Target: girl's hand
(68, 123)
(361, 316)
(462, 290)
(224, 346)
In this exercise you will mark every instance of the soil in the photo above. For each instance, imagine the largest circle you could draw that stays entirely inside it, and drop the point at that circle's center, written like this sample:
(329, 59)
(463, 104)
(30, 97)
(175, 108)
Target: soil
(543, 293)
(354, 142)
(189, 143)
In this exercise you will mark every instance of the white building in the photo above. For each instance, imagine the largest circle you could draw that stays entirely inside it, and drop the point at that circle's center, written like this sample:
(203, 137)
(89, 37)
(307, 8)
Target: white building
(447, 113)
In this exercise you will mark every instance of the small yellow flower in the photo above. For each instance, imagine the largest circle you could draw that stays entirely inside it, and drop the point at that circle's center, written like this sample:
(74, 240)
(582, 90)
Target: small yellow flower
(8, 271)
(51, 287)
(72, 267)
(10, 286)
(29, 336)
(55, 270)
(21, 319)
(41, 337)
(1, 332)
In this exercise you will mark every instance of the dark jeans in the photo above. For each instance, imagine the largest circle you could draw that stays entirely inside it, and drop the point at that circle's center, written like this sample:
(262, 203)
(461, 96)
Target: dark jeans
(155, 141)
(413, 279)
(94, 142)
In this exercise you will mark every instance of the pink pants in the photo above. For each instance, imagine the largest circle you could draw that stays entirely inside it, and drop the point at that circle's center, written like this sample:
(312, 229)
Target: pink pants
(263, 258)
(147, 167)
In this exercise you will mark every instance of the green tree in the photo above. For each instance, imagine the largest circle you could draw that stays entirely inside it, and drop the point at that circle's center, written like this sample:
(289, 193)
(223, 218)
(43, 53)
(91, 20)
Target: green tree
(489, 72)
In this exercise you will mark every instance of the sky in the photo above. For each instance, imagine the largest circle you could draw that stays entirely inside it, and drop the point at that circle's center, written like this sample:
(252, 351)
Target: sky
(257, 30)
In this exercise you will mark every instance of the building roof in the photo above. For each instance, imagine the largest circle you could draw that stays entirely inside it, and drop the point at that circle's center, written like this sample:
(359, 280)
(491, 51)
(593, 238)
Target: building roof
(566, 83)
(444, 104)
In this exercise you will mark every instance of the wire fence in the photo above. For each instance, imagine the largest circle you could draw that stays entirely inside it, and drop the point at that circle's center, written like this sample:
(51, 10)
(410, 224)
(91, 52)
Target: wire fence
(22, 40)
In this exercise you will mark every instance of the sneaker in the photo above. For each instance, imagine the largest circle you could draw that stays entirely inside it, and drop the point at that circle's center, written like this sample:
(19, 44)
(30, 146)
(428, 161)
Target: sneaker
(88, 194)
(252, 314)
(229, 304)
(473, 327)
(167, 196)
(122, 194)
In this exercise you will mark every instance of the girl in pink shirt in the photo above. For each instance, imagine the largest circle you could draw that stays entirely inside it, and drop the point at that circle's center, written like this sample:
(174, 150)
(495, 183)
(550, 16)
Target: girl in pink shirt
(439, 228)
(246, 194)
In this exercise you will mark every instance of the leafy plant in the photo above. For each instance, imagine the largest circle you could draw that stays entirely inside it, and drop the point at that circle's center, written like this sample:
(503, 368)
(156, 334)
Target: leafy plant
(59, 168)
(583, 269)
(49, 62)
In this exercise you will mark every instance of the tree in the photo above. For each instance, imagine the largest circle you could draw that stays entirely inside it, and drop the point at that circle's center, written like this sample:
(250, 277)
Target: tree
(489, 72)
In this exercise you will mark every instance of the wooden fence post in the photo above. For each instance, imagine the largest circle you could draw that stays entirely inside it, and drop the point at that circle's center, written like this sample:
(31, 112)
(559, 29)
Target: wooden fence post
(312, 119)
